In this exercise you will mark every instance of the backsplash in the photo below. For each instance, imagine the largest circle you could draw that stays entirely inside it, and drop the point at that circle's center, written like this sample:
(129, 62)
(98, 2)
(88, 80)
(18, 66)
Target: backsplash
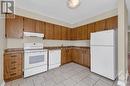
(18, 43)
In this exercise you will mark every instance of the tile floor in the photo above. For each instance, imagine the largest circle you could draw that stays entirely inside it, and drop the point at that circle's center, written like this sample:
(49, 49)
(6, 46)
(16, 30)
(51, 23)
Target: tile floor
(68, 75)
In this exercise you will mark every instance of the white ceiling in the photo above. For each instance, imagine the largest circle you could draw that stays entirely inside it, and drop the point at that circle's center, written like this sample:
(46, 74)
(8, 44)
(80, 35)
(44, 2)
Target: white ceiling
(58, 9)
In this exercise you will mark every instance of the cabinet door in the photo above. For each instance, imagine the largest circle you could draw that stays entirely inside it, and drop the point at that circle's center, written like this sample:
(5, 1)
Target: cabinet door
(12, 66)
(69, 34)
(74, 34)
(75, 55)
(80, 57)
(40, 27)
(85, 32)
(49, 34)
(29, 25)
(79, 33)
(91, 29)
(112, 23)
(14, 27)
(86, 57)
(100, 25)
(57, 32)
(64, 33)
(63, 56)
(68, 57)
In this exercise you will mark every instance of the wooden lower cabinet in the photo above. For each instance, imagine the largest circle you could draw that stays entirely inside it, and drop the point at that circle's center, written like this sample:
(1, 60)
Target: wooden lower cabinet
(12, 66)
(77, 55)
(81, 56)
(66, 55)
(86, 59)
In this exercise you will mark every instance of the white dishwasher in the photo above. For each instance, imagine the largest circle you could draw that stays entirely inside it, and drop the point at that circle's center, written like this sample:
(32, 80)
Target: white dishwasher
(54, 58)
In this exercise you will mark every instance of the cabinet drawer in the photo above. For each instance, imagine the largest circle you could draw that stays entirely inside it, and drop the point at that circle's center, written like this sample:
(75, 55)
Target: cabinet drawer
(12, 66)
(15, 67)
(15, 74)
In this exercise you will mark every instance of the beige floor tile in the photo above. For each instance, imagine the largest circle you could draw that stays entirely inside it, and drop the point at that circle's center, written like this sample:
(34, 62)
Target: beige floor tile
(69, 82)
(67, 75)
(102, 83)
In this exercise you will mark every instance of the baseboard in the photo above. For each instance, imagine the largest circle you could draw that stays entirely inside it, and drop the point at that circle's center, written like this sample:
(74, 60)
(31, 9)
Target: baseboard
(127, 75)
(3, 84)
(121, 83)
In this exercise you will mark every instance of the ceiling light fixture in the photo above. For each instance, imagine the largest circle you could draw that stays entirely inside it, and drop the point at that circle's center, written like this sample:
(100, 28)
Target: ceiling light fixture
(73, 3)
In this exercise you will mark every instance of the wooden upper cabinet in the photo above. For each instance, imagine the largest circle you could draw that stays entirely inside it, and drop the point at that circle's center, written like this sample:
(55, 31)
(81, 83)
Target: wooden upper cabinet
(14, 27)
(49, 31)
(100, 25)
(57, 32)
(112, 23)
(29, 25)
(64, 33)
(79, 33)
(40, 27)
(91, 29)
(74, 34)
(69, 34)
(85, 32)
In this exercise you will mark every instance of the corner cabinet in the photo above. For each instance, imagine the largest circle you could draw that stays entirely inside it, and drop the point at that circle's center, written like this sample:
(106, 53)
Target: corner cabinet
(66, 55)
(14, 27)
(13, 66)
(81, 56)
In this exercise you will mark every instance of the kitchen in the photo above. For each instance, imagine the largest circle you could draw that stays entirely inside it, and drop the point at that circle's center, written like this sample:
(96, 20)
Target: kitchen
(36, 49)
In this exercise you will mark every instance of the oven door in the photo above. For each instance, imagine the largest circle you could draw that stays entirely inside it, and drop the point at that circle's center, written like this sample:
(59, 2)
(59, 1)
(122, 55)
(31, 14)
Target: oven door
(34, 59)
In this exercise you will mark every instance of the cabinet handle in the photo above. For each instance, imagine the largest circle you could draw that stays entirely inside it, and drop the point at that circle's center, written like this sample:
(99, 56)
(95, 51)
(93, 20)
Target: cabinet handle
(13, 56)
(13, 68)
(13, 62)
(12, 74)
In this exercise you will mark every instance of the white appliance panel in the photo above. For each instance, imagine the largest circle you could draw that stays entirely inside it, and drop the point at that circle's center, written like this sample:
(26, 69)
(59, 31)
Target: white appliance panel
(103, 38)
(103, 61)
(54, 58)
(35, 70)
(35, 59)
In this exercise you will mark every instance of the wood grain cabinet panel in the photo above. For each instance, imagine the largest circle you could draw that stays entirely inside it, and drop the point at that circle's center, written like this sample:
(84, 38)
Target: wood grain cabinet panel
(69, 34)
(64, 33)
(86, 57)
(69, 55)
(29, 25)
(49, 31)
(63, 56)
(66, 55)
(12, 66)
(85, 32)
(100, 25)
(112, 23)
(79, 33)
(57, 32)
(14, 27)
(40, 27)
(74, 34)
(91, 29)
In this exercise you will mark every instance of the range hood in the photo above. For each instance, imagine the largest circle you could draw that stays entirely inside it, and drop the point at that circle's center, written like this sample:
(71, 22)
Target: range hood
(31, 34)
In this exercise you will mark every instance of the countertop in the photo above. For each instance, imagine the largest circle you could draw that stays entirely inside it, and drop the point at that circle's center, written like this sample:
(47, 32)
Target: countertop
(12, 50)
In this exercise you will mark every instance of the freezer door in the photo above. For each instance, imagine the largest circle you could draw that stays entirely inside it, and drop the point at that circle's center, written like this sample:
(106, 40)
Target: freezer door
(103, 61)
(103, 38)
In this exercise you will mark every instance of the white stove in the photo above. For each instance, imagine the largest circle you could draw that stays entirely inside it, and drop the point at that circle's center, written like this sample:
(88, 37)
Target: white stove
(35, 59)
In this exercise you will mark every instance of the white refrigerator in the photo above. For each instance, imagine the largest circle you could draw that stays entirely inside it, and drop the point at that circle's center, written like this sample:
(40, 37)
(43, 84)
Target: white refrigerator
(103, 53)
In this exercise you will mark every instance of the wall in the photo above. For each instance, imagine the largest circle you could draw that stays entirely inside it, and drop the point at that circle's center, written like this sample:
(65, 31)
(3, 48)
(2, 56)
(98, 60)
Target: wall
(129, 39)
(18, 43)
(122, 43)
(2, 46)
